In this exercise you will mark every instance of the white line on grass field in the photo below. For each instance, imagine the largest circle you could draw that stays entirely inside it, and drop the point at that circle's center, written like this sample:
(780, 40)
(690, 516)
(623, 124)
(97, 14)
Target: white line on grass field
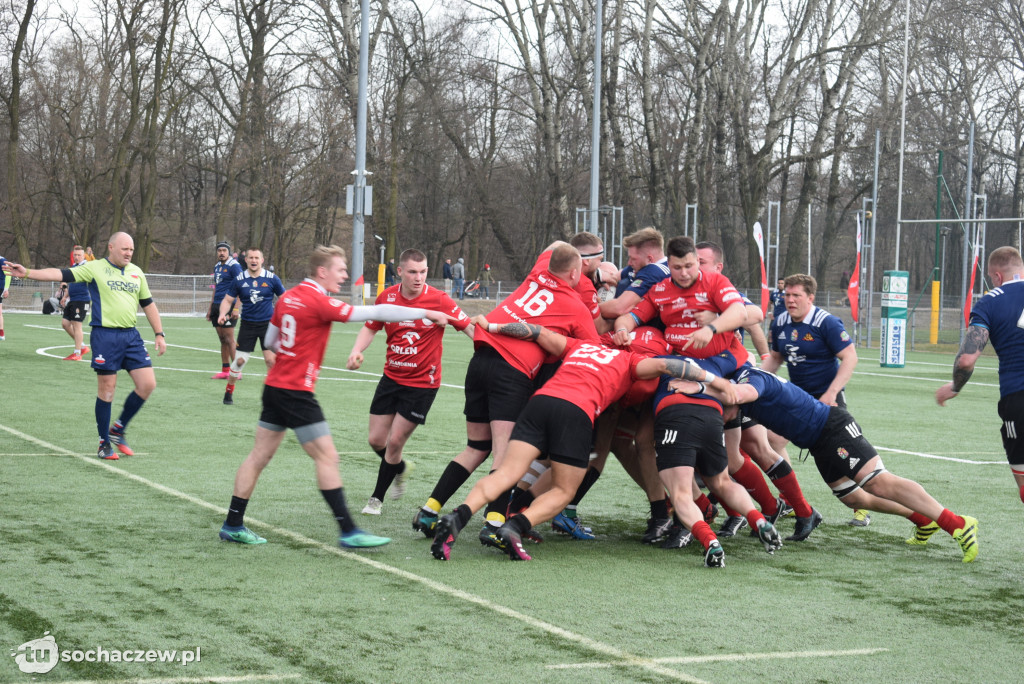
(188, 680)
(941, 458)
(914, 377)
(726, 658)
(573, 638)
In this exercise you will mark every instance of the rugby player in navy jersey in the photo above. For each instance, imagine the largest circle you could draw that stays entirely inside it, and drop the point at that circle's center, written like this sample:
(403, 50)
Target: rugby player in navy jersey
(997, 317)
(817, 351)
(747, 443)
(225, 271)
(647, 266)
(75, 303)
(845, 459)
(255, 288)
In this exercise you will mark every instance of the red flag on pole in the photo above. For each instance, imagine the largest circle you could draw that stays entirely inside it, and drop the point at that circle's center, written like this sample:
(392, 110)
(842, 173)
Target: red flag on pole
(853, 290)
(759, 239)
(970, 289)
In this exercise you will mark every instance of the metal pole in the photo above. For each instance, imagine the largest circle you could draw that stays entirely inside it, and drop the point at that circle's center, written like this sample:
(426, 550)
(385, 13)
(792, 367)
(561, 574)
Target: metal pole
(968, 214)
(874, 223)
(903, 126)
(809, 239)
(595, 140)
(359, 189)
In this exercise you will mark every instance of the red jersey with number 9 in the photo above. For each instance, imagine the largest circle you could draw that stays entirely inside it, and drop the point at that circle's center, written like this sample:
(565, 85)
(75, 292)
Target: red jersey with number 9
(542, 299)
(592, 376)
(303, 315)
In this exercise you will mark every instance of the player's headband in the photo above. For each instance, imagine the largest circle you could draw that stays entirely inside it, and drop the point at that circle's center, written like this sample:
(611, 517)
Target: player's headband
(592, 255)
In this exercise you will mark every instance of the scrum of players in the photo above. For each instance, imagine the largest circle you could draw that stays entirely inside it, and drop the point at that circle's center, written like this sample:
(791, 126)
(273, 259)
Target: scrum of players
(563, 374)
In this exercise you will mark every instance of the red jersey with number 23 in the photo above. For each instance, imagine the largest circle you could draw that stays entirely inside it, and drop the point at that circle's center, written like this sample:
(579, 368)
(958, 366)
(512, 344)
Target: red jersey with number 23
(592, 376)
(415, 347)
(542, 299)
(304, 315)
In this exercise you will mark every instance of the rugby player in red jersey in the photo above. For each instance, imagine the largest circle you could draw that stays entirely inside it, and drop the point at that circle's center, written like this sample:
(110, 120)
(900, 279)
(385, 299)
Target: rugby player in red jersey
(500, 376)
(558, 420)
(412, 371)
(298, 333)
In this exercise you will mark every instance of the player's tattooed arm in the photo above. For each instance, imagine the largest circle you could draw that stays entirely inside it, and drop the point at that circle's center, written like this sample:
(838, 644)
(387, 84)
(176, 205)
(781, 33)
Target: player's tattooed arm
(974, 343)
(521, 331)
(680, 368)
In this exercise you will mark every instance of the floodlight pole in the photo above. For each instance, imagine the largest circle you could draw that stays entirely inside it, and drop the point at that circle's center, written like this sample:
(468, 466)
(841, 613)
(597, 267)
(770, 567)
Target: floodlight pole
(595, 140)
(969, 215)
(359, 189)
(903, 127)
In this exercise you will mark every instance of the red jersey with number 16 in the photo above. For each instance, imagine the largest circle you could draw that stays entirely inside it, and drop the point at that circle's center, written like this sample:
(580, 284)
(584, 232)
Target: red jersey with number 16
(592, 376)
(542, 299)
(415, 347)
(304, 315)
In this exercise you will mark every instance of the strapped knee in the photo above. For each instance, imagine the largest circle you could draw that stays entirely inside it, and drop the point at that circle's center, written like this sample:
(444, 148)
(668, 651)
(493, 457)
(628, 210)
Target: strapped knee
(483, 445)
(241, 358)
(779, 470)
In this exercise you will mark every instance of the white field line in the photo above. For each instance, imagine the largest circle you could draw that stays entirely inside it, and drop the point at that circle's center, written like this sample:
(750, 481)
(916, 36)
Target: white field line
(726, 658)
(914, 377)
(941, 458)
(593, 645)
(188, 680)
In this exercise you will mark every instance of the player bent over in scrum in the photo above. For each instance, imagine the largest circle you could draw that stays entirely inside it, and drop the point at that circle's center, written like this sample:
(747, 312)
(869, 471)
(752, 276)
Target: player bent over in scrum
(558, 420)
(846, 460)
(688, 436)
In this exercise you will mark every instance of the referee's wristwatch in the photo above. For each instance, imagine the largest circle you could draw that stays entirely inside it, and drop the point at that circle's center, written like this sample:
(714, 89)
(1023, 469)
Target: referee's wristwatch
(160, 334)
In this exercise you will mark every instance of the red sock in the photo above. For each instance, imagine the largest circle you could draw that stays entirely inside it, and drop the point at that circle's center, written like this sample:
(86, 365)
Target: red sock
(230, 389)
(919, 520)
(752, 479)
(225, 367)
(949, 521)
(702, 501)
(790, 488)
(702, 531)
(1021, 487)
(754, 517)
(731, 513)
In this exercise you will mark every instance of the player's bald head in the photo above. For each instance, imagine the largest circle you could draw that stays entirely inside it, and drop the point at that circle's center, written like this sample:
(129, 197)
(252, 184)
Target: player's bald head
(564, 258)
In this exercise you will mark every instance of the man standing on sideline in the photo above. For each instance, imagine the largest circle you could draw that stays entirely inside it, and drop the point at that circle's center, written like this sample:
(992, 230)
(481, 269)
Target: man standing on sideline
(117, 288)
(255, 289)
(996, 317)
(389, 273)
(486, 280)
(225, 272)
(448, 277)
(298, 333)
(458, 278)
(412, 371)
(76, 308)
(816, 349)
(5, 283)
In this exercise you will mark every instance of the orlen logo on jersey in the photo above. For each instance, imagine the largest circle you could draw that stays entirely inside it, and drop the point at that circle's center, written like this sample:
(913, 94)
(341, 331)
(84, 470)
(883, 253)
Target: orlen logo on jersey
(410, 337)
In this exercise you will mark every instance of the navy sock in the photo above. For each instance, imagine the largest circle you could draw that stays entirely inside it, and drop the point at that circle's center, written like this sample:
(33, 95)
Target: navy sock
(335, 498)
(659, 509)
(236, 512)
(386, 474)
(131, 406)
(103, 419)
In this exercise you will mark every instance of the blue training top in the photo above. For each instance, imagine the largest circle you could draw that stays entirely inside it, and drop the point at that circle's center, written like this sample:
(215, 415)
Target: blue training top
(78, 292)
(810, 347)
(783, 407)
(223, 275)
(639, 282)
(256, 294)
(999, 312)
(5, 278)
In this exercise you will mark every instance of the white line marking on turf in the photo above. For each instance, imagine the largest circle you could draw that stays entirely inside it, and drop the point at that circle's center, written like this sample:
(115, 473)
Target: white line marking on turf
(914, 377)
(188, 680)
(727, 658)
(572, 637)
(940, 458)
